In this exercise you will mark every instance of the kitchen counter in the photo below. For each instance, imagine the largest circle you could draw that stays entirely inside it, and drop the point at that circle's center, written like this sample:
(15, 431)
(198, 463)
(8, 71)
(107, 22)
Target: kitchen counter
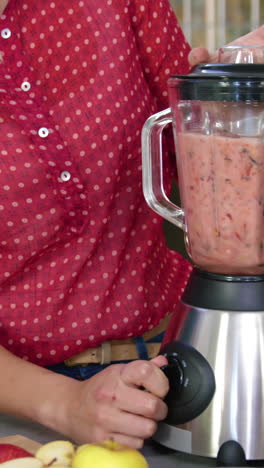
(156, 455)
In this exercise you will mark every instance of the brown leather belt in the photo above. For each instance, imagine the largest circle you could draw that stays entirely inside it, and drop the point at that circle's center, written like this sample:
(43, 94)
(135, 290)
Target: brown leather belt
(118, 350)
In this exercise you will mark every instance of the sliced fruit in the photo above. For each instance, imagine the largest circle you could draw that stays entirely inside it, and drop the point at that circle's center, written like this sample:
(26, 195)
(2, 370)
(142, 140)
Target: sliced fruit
(56, 452)
(25, 462)
(11, 451)
(54, 465)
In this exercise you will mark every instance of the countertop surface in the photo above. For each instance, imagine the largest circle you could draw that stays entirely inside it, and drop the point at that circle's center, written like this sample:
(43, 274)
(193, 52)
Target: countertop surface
(157, 456)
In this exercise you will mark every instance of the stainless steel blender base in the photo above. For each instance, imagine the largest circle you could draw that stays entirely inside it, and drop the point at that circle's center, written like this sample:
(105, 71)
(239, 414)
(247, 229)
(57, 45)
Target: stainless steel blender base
(174, 437)
(233, 345)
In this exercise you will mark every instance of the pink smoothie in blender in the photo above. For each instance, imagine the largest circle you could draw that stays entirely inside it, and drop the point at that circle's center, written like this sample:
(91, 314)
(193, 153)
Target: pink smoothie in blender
(222, 190)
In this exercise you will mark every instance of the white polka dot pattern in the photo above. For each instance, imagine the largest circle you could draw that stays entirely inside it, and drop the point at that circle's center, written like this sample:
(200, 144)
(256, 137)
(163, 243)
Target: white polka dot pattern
(83, 259)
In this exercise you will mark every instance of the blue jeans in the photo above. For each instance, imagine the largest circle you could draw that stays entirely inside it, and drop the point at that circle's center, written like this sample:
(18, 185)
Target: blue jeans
(82, 372)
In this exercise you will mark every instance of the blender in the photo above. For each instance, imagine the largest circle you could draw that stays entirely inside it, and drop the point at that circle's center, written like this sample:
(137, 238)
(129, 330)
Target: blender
(216, 356)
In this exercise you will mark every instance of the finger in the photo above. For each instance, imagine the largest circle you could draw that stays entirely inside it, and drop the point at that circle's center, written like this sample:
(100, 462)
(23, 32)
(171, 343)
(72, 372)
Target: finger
(133, 400)
(145, 374)
(133, 442)
(132, 425)
(159, 361)
(198, 55)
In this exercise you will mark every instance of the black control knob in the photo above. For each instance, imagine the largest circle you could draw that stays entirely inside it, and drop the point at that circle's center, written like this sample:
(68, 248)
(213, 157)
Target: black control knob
(174, 372)
(192, 382)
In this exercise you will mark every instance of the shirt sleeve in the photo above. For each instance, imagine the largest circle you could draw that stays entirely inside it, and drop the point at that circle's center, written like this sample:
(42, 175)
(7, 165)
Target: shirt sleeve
(162, 47)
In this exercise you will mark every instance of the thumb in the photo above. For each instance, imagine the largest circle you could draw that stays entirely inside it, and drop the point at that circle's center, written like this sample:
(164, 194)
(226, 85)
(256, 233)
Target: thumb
(201, 55)
(159, 361)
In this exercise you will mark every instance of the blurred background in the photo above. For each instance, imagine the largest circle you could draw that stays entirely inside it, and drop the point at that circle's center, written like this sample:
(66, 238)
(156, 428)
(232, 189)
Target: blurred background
(211, 23)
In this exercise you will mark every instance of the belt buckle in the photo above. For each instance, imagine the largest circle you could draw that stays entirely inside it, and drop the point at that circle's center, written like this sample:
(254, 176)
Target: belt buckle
(105, 353)
(100, 355)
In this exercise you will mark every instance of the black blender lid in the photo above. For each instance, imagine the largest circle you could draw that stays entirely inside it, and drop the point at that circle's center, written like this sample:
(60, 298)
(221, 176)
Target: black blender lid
(221, 82)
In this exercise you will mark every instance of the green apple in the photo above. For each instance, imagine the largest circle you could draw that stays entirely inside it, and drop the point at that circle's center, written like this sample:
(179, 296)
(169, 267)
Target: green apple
(57, 452)
(108, 454)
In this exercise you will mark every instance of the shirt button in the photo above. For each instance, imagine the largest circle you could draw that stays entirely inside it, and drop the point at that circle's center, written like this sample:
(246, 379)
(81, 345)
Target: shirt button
(5, 33)
(65, 176)
(25, 86)
(43, 132)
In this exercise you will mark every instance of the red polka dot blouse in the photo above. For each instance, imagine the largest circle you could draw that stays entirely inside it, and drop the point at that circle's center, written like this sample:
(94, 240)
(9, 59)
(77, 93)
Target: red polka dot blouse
(82, 257)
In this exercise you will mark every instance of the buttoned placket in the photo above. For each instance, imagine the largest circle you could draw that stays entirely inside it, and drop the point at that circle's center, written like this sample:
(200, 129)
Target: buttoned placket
(72, 189)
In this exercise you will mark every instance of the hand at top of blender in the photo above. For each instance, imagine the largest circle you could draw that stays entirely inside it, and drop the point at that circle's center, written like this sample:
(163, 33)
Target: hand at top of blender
(202, 55)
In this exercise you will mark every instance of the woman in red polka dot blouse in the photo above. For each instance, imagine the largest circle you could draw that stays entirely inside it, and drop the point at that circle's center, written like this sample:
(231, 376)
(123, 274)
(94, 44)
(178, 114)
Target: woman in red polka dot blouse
(84, 264)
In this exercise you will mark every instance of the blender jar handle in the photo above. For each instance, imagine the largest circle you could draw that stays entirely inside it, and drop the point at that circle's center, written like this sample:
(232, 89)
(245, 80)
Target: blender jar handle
(152, 168)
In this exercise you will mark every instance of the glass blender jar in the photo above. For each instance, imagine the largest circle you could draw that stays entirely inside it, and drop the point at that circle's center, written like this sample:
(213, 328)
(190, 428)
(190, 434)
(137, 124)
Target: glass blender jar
(218, 120)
